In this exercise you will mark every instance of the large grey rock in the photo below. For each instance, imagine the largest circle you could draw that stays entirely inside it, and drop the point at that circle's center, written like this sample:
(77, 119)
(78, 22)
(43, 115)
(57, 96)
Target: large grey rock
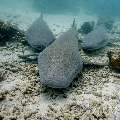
(39, 34)
(96, 39)
(60, 62)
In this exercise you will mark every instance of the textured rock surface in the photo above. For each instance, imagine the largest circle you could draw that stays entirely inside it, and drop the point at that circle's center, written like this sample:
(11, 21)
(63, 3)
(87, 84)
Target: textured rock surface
(39, 34)
(96, 39)
(61, 61)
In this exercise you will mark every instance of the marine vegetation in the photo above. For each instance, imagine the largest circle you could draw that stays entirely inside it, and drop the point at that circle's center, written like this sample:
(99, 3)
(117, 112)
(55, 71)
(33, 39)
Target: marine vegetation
(114, 62)
(87, 27)
(7, 32)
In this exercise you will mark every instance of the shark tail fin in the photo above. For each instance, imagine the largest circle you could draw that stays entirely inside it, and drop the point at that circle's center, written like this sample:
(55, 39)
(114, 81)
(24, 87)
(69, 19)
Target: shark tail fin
(74, 25)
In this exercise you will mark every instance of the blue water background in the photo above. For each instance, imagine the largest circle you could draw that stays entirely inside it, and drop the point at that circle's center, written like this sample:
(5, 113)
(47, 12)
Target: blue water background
(99, 7)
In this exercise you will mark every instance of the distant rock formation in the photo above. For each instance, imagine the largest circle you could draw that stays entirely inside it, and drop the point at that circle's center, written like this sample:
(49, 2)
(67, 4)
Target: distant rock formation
(96, 39)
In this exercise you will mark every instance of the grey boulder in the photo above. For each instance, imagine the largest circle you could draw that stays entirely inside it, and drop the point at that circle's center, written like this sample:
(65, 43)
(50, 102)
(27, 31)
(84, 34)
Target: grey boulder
(39, 34)
(96, 39)
(60, 62)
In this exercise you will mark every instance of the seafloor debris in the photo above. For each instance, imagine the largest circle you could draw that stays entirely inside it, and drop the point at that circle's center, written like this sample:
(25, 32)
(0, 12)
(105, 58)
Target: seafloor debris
(114, 62)
(8, 31)
(87, 27)
(76, 111)
(39, 34)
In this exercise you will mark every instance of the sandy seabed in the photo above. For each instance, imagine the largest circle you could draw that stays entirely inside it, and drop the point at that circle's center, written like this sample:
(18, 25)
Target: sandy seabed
(93, 95)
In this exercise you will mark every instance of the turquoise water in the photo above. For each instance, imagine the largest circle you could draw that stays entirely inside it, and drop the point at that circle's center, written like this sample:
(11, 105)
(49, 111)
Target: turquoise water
(16, 5)
(99, 7)
(105, 7)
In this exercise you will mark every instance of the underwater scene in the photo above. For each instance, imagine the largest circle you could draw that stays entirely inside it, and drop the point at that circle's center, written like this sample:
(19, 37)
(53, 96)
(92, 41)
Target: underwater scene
(59, 59)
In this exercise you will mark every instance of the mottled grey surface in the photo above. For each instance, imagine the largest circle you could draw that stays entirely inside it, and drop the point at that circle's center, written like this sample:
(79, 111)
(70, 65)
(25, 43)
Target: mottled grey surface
(39, 34)
(60, 62)
(96, 39)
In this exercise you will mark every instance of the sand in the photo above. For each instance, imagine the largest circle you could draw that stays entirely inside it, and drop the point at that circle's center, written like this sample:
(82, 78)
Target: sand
(94, 94)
